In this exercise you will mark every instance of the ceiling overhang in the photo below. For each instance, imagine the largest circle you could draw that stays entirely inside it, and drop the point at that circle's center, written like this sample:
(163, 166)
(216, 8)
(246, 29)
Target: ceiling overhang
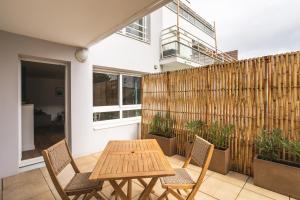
(72, 22)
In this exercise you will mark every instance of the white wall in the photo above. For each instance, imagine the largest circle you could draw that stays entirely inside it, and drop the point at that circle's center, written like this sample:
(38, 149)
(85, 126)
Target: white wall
(119, 51)
(81, 90)
(116, 51)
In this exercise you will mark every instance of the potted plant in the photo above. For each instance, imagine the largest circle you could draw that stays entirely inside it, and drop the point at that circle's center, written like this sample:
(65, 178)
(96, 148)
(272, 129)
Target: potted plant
(195, 128)
(218, 135)
(270, 171)
(161, 129)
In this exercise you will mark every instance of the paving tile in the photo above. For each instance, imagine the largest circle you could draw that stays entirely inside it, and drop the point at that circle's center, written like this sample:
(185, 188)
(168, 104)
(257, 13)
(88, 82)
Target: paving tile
(50, 183)
(176, 160)
(96, 155)
(28, 185)
(203, 196)
(220, 189)
(86, 163)
(249, 195)
(198, 169)
(232, 177)
(250, 186)
(136, 190)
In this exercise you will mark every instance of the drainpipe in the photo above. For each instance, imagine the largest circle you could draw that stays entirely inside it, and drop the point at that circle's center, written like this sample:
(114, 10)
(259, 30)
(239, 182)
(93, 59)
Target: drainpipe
(178, 36)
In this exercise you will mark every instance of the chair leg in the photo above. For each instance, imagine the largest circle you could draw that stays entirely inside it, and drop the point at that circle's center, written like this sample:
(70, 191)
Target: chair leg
(163, 195)
(98, 196)
(77, 196)
(175, 194)
(88, 197)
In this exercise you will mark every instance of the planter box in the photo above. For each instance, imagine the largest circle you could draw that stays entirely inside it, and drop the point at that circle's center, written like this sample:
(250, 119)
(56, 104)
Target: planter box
(219, 162)
(168, 145)
(277, 177)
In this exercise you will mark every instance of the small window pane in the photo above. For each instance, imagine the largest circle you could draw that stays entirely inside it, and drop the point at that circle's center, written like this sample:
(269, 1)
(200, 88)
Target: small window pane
(101, 116)
(131, 90)
(131, 113)
(106, 89)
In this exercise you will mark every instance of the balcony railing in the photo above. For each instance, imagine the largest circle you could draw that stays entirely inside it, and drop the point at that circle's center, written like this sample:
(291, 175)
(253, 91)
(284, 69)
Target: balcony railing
(180, 43)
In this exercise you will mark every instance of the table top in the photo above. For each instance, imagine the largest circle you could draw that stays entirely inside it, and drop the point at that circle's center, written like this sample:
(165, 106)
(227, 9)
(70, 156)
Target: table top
(131, 159)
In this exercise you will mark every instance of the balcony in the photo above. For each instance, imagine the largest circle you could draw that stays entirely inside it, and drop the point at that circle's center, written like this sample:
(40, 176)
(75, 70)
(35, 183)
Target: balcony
(180, 49)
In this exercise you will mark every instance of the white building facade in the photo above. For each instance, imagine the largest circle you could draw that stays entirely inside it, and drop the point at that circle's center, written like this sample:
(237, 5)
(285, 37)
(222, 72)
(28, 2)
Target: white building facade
(102, 95)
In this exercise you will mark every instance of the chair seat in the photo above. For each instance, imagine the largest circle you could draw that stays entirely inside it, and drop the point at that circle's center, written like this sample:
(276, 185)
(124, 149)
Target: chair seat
(80, 183)
(181, 179)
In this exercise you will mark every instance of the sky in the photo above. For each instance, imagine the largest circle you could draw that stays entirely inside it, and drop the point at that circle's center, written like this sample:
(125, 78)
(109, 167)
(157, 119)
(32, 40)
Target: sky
(254, 27)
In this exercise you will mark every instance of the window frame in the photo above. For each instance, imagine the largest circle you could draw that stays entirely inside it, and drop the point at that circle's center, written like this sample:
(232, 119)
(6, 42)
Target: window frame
(146, 30)
(120, 108)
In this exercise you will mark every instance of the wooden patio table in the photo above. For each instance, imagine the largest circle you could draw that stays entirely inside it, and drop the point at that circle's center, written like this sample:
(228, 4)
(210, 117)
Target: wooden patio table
(134, 159)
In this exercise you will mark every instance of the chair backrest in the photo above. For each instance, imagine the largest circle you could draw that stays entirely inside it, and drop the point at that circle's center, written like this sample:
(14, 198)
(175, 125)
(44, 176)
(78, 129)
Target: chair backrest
(201, 154)
(56, 158)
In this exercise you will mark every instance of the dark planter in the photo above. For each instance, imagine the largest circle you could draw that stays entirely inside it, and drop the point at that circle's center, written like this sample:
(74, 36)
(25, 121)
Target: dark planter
(219, 161)
(277, 177)
(168, 145)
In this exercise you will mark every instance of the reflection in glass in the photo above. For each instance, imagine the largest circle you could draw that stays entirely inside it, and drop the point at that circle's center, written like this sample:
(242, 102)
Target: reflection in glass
(101, 116)
(131, 90)
(106, 89)
(131, 113)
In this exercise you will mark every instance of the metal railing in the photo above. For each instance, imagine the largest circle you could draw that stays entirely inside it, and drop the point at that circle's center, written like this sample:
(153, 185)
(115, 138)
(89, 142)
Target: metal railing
(180, 43)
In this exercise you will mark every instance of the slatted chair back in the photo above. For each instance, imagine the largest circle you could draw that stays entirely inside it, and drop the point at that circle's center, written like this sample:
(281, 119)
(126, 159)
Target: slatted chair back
(201, 153)
(56, 158)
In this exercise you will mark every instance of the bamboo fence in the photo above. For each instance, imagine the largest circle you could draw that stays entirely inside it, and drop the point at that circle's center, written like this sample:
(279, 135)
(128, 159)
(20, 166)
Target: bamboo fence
(254, 94)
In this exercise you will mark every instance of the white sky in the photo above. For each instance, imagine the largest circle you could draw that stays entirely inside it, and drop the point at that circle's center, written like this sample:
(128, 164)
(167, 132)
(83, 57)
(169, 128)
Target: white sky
(254, 27)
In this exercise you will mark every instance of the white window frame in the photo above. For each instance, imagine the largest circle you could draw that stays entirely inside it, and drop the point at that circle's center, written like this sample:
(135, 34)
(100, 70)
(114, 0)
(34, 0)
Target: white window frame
(120, 108)
(146, 30)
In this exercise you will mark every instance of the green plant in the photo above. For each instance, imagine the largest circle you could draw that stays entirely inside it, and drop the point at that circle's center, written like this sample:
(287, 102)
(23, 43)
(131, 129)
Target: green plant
(294, 147)
(269, 144)
(162, 126)
(218, 135)
(194, 127)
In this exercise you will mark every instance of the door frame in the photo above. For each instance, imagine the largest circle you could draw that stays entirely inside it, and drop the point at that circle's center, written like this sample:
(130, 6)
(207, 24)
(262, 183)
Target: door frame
(67, 126)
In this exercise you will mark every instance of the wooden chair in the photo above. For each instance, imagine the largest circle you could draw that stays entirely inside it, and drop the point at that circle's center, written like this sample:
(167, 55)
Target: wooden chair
(57, 157)
(201, 154)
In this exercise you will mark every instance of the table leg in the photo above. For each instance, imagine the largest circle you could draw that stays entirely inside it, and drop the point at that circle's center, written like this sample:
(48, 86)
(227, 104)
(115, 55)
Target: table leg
(118, 190)
(145, 194)
(129, 189)
(144, 184)
(121, 185)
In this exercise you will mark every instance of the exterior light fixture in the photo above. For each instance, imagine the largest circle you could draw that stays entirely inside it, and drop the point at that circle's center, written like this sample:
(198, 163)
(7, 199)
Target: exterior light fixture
(81, 54)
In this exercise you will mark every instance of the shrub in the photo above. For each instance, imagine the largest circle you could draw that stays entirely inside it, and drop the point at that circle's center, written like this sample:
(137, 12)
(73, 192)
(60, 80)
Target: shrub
(162, 126)
(270, 143)
(194, 127)
(219, 135)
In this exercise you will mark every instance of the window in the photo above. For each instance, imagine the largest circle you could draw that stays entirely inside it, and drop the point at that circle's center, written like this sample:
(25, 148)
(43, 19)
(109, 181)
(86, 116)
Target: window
(139, 29)
(131, 90)
(106, 89)
(116, 97)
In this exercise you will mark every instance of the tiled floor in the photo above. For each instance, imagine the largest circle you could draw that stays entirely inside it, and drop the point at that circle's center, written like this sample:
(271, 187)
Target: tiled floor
(36, 184)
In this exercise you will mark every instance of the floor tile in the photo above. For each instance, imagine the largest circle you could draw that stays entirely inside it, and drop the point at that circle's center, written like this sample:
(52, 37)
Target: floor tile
(86, 163)
(96, 155)
(28, 185)
(232, 177)
(220, 189)
(250, 186)
(136, 190)
(203, 196)
(249, 195)
(50, 183)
